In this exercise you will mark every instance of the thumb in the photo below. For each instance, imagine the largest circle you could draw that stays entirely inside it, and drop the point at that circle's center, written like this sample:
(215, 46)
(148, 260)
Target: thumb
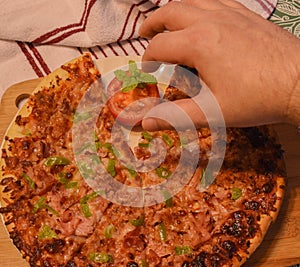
(200, 111)
(180, 114)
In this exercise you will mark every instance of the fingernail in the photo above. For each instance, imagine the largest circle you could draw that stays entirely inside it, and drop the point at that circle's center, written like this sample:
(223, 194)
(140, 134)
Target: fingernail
(150, 66)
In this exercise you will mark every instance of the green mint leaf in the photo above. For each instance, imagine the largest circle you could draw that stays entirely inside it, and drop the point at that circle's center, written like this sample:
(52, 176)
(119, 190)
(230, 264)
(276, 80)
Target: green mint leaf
(133, 69)
(135, 78)
(147, 78)
(121, 75)
(129, 84)
(129, 88)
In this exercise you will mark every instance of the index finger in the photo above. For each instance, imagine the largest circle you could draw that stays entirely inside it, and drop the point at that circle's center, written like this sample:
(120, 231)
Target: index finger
(170, 47)
(171, 17)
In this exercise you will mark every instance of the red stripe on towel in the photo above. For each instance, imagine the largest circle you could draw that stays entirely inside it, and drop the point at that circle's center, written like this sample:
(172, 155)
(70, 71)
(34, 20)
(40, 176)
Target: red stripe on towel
(39, 57)
(79, 27)
(30, 59)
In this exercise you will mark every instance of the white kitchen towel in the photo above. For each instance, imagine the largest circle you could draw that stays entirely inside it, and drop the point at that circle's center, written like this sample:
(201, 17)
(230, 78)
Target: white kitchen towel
(37, 36)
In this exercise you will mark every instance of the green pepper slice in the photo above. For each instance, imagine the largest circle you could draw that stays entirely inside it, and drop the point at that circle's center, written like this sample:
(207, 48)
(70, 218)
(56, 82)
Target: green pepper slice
(111, 167)
(168, 198)
(31, 183)
(66, 182)
(131, 171)
(144, 263)
(101, 257)
(163, 172)
(182, 250)
(168, 140)
(108, 232)
(78, 117)
(236, 193)
(138, 222)
(147, 136)
(56, 160)
(162, 230)
(84, 204)
(46, 232)
(41, 204)
(144, 145)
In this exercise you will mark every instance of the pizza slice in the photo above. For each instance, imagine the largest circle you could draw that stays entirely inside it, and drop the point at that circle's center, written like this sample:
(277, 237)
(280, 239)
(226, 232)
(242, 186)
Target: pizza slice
(47, 207)
(206, 223)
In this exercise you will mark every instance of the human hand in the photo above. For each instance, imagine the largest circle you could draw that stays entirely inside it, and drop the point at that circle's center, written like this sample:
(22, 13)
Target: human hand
(249, 63)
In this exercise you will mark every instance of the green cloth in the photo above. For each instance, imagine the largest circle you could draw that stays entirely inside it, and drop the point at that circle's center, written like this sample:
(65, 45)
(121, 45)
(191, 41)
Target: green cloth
(287, 16)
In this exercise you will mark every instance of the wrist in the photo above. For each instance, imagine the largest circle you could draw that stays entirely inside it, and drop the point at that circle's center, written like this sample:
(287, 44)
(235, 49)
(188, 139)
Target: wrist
(293, 113)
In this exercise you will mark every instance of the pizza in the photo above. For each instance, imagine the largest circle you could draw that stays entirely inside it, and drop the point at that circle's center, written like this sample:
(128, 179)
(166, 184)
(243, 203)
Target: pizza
(74, 193)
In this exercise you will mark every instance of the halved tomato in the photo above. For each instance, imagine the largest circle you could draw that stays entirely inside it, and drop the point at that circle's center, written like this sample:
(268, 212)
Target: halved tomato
(129, 105)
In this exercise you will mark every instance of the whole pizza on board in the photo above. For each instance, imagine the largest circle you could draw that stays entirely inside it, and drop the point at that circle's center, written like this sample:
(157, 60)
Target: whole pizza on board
(75, 194)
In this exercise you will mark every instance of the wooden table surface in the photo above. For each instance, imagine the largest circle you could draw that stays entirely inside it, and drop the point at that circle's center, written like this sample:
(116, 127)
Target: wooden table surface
(281, 246)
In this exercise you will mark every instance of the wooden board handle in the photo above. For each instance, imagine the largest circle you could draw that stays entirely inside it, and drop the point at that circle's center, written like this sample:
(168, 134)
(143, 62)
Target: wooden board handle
(15, 94)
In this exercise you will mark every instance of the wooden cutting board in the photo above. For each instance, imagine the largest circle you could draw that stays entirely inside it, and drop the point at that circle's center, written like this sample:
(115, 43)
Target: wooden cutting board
(281, 246)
